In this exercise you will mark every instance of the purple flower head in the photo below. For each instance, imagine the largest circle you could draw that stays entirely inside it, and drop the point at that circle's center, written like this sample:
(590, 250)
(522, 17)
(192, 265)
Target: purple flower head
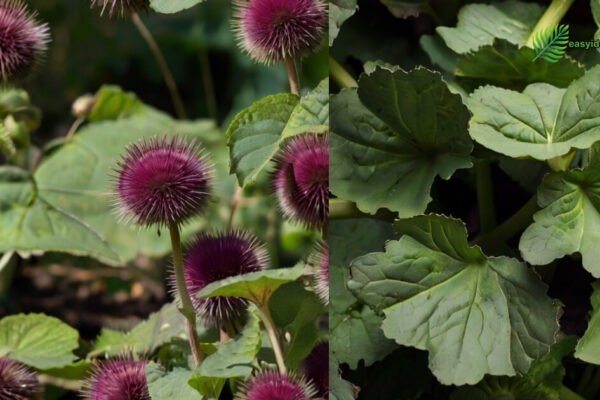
(320, 259)
(301, 179)
(272, 385)
(272, 30)
(23, 41)
(118, 379)
(316, 368)
(121, 7)
(17, 382)
(212, 258)
(163, 181)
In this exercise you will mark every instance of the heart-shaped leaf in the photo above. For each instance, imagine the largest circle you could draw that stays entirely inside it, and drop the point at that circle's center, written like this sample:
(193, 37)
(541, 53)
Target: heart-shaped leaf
(543, 122)
(475, 315)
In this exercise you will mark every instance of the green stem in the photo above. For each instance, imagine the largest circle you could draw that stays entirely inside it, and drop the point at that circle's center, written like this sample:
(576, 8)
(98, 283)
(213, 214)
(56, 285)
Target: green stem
(209, 86)
(290, 65)
(516, 223)
(265, 316)
(187, 307)
(485, 196)
(340, 75)
(162, 64)
(551, 18)
(343, 209)
(567, 394)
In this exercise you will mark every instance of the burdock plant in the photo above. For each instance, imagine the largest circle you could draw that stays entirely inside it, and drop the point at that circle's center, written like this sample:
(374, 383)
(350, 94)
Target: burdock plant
(213, 257)
(271, 385)
(17, 382)
(117, 379)
(320, 262)
(121, 7)
(163, 182)
(301, 180)
(23, 41)
(275, 31)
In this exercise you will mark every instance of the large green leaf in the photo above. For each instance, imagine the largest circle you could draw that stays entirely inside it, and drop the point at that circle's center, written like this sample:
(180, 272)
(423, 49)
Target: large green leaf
(354, 329)
(172, 6)
(258, 287)
(542, 382)
(406, 129)
(234, 359)
(505, 64)
(339, 389)
(256, 133)
(30, 222)
(543, 122)
(568, 221)
(170, 385)
(38, 340)
(475, 315)
(588, 348)
(479, 24)
(339, 11)
(77, 179)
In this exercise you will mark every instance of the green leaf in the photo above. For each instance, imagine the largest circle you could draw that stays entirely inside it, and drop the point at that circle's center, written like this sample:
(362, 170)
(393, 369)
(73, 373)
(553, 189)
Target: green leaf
(542, 382)
(543, 122)
(234, 359)
(172, 6)
(144, 338)
(479, 24)
(405, 8)
(294, 311)
(355, 330)
(588, 347)
(111, 103)
(406, 129)
(171, 385)
(339, 389)
(30, 222)
(550, 45)
(254, 135)
(257, 287)
(568, 221)
(475, 315)
(38, 340)
(339, 11)
(77, 180)
(505, 64)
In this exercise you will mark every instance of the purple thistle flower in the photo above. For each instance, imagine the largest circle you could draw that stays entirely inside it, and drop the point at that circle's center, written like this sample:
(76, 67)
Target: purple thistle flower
(301, 179)
(316, 368)
(212, 258)
(118, 379)
(121, 7)
(272, 385)
(320, 259)
(163, 181)
(273, 30)
(23, 41)
(17, 382)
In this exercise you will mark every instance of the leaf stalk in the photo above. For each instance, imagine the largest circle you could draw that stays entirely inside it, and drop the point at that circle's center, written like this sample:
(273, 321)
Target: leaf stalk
(551, 18)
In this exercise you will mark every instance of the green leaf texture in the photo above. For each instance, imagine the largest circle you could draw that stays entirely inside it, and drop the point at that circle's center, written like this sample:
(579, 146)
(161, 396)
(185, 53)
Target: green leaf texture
(475, 315)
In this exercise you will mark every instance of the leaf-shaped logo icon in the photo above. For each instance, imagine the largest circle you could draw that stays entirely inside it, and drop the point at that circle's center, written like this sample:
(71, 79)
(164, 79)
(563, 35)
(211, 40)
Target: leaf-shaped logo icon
(550, 45)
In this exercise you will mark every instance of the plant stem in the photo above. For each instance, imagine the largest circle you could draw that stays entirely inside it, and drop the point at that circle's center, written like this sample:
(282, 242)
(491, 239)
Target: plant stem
(485, 196)
(238, 195)
(340, 75)
(567, 394)
(551, 18)
(73, 129)
(516, 223)
(265, 316)
(187, 307)
(209, 87)
(343, 209)
(162, 64)
(290, 65)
